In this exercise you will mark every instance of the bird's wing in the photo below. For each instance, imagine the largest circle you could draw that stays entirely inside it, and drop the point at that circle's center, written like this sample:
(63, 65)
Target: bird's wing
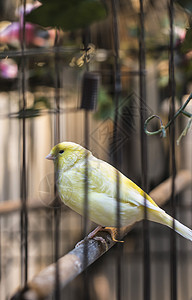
(103, 178)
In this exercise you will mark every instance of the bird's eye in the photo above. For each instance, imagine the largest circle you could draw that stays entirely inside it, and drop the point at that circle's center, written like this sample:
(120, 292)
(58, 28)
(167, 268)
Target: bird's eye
(61, 151)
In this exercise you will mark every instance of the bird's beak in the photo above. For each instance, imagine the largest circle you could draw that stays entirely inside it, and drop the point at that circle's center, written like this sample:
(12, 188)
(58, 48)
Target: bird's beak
(50, 157)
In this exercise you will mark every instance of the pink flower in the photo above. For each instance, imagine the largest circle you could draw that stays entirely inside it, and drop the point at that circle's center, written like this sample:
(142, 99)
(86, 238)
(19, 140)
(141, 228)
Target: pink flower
(8, 68)
(34, 34)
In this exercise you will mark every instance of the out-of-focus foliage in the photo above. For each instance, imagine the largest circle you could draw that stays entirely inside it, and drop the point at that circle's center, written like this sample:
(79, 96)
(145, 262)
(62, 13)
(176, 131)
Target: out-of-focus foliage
(67, 15)
(35, 110)
(105, 108)
(187, 43)
(186, 5)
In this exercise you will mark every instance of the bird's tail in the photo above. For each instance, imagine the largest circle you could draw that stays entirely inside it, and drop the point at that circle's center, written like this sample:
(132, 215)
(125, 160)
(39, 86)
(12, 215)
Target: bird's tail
(163, 218)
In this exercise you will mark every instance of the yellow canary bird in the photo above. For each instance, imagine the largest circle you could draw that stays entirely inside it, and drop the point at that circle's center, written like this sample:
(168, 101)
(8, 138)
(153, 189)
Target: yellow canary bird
(70, 164)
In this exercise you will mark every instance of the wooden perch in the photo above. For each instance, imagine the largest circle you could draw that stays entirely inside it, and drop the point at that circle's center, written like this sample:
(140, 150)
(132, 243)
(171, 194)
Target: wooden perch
(72, 264)
(162, 192)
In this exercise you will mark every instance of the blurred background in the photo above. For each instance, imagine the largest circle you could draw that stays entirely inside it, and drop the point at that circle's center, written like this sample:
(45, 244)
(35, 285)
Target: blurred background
(42, 62)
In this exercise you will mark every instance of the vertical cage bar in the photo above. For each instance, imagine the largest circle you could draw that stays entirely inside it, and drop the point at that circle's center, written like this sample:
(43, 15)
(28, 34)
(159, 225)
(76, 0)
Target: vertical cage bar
(173, 249)
(86, 41)
(57, 205)
(86, 207)
(142, 88)
(116, 154)
(24, 212)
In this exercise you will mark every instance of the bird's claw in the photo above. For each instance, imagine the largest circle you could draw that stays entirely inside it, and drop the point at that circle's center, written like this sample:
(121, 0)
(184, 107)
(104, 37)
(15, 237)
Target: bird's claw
(79, 243)
(113, 231)
(96, 238)
(92, 235)
(102, 240)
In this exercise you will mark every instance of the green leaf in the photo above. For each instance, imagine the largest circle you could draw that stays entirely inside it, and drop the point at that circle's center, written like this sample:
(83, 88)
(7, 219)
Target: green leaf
(67, 15)
(187, 43)
(186, 5)
(105, 107)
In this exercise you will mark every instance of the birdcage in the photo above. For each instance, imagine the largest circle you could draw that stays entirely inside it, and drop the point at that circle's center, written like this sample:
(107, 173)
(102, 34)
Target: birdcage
(114, 77)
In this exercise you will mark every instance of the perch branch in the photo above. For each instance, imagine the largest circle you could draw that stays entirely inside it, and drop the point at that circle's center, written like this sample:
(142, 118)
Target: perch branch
(70, 265)
(162, 192)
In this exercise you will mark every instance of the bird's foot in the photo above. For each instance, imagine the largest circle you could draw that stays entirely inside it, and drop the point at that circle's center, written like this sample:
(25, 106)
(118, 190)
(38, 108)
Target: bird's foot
(79, 243)
(113, 231)
(92, 235)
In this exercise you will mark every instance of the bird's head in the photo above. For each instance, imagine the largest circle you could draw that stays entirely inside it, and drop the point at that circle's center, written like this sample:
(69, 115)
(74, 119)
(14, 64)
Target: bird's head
(66, 154)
